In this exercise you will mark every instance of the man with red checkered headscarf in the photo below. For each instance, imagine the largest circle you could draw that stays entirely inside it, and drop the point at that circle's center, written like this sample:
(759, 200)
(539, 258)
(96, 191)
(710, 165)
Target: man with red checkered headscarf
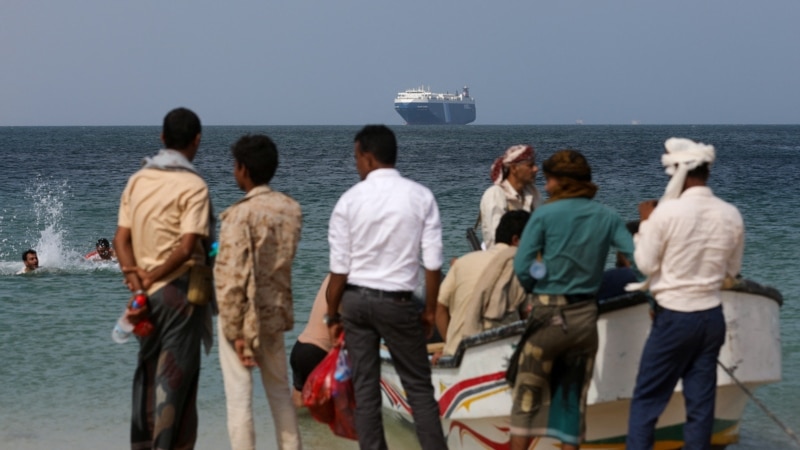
(513, 175)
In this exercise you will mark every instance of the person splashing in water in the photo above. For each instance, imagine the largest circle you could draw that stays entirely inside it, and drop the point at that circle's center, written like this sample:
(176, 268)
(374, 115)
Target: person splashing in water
(102, 252)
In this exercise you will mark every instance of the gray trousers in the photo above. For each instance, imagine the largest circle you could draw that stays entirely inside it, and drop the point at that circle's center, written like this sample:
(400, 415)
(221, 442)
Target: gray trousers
(367, 317)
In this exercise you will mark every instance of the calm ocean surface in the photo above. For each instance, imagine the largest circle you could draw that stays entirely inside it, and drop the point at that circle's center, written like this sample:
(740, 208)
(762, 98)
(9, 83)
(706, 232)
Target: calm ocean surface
(65, 384)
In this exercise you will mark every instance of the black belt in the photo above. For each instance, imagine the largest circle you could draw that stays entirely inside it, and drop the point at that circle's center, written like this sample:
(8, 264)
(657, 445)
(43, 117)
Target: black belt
(577, 298)
(396, 295)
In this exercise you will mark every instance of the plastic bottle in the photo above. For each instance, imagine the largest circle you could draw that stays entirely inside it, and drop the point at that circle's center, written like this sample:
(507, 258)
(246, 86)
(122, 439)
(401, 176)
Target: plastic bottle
(343, 370)
(124, 328)
(538, 270)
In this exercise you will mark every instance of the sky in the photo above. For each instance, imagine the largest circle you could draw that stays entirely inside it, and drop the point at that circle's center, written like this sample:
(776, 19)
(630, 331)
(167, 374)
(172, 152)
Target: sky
(342, 62)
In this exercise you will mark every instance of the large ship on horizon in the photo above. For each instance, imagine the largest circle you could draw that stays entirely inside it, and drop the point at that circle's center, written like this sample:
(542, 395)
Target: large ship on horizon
(420, 106)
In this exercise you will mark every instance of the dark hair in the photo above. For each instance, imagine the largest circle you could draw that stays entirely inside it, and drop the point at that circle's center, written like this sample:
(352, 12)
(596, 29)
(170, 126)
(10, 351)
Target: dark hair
(103, 242)
(28, 251)
(568, 163)
(511, 224)
(259, 155)
(702, 172)
(380, 141)
(181, 127)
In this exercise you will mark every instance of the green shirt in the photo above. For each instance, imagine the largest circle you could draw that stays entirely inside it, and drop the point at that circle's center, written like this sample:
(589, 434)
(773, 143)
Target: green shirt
(574, 236)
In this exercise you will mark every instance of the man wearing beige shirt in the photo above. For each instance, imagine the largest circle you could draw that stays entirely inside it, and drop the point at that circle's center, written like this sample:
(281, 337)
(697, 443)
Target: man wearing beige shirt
(253, 276)
(481, 291)
(164, 218)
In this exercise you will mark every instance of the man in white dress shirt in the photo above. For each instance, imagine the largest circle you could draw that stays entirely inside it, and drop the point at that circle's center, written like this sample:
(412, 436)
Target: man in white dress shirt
(376, 233)
(687, 246)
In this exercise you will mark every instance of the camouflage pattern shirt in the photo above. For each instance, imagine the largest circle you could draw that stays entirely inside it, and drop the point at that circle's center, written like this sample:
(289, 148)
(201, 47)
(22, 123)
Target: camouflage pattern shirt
(253, 270)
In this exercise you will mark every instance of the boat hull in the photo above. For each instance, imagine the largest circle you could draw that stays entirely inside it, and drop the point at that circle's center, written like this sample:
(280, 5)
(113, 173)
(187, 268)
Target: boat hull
(436, 113)
(475, 400)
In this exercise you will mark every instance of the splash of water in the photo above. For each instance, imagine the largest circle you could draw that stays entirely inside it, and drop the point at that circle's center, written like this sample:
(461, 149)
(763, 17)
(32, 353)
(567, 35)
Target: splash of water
(47, 227)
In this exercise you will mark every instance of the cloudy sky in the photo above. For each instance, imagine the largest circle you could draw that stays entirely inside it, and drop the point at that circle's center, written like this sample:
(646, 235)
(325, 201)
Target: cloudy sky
(341, 62)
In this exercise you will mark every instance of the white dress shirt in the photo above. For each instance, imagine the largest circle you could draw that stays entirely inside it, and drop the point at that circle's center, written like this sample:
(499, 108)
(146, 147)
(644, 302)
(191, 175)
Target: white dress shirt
(687, 247)
(378, 228)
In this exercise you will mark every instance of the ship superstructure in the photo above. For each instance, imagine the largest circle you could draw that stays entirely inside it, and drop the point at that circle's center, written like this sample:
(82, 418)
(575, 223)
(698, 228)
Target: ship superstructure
(420, 106)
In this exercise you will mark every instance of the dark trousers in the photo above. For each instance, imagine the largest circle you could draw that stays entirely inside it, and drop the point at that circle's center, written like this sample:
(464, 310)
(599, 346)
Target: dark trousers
(168, 372)
(367, 317)
(682, 346)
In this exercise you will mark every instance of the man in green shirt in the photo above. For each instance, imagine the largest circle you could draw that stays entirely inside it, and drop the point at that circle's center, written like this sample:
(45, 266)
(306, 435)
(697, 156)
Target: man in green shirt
(571, 235)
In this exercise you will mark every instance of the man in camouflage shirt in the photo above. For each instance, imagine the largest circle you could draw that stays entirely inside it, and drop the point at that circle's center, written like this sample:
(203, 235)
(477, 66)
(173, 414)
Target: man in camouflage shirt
(253, 277)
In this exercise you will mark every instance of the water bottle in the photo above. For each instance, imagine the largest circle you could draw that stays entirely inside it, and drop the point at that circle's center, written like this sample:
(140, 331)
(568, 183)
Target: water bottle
(124, 328)
(343, 370)
(538, 270)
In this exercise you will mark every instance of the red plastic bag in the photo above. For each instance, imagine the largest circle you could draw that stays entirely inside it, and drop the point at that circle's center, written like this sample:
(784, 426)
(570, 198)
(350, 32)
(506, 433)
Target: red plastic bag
(329, 400)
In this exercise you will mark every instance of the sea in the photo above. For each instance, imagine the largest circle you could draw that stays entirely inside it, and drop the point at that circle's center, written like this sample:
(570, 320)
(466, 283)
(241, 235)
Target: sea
(64, 384)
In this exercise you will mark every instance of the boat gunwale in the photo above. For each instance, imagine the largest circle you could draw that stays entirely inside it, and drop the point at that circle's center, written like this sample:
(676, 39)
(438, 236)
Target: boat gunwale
(742, 285)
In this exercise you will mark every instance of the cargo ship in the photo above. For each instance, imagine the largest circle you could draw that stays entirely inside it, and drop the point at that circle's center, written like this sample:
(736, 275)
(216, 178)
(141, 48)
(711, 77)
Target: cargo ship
(420, 106)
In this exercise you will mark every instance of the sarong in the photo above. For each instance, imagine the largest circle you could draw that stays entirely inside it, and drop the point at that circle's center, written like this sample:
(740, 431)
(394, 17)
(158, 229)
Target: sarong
(165, 382)
(555, 370)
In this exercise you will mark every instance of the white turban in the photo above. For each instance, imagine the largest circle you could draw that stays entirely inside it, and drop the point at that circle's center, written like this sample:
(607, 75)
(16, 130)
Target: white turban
(682, 156)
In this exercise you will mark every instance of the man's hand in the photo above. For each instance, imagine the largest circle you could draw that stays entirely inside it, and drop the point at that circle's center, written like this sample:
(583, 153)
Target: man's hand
(335, 330)
(428, 318)
(436, 356)
(135, 316)
(145, 280)
(646, 208)
(247, 361)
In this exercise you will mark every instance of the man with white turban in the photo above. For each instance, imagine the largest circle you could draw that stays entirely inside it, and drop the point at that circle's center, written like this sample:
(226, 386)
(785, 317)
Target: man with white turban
(513, 175)
(687, 246)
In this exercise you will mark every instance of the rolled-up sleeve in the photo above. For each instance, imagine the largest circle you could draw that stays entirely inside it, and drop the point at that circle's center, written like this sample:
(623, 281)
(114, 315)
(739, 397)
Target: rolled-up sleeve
(432, 257)
(339, 238)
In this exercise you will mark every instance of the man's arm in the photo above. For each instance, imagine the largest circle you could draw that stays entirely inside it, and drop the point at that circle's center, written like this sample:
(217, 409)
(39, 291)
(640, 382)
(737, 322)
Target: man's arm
(125, 257)
(232, 272)
(442, 320)
(445, 299)
(180, 255)
(333, 296)
(649, 240)
(432, 280)
(530, 245)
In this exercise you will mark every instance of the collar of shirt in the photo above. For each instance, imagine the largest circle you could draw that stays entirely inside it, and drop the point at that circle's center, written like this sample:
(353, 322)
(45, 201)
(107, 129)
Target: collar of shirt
(382, 173)
(258, 190)
(698, 191)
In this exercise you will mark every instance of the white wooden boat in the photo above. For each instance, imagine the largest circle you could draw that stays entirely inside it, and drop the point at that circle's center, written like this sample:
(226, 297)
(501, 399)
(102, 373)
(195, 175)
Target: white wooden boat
(475, 400)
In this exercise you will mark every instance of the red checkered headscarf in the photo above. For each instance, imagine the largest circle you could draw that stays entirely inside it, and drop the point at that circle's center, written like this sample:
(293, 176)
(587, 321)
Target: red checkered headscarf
(513, 155)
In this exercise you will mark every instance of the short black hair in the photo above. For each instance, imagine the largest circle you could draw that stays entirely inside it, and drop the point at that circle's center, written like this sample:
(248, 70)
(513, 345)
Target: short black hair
(181, 127)
(702, 172)
(259, 154)
(511, 224)
(27, 252)
(103, 242)
(380, 141)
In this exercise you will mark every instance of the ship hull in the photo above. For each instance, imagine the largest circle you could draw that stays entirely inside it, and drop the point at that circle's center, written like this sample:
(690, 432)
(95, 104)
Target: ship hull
(436, 113)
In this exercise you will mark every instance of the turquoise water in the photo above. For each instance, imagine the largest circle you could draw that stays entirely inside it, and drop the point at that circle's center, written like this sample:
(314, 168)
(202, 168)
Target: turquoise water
(65, 384)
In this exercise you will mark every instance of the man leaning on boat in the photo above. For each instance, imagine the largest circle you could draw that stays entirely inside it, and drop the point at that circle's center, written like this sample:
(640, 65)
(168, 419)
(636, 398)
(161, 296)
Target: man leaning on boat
(480, 291)
(687, 245)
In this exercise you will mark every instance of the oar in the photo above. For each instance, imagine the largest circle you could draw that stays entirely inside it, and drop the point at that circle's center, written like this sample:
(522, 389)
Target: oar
(763, 407)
